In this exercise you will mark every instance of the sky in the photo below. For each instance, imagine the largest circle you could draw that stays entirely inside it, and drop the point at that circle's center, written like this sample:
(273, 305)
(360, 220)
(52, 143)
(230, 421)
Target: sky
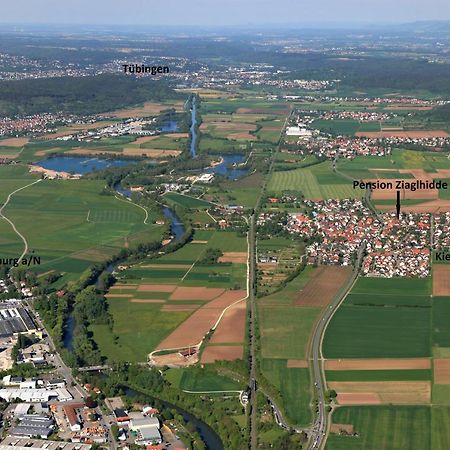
(221, 12)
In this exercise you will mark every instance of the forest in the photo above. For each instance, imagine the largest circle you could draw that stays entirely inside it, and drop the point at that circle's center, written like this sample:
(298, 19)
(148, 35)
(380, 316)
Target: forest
(79, 95)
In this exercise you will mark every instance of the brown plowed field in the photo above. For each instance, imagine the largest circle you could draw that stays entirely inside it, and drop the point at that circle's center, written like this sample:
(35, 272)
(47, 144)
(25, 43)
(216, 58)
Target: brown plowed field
(226, 299)
(378, 364)
(442, 370)
(399, 392)
(441, 280)
(433, 206)
(297, 363)
(195, 327)
(156, 287)
(403, 134)
(266, 112)
(363, 398)
(14, 142)
(195, 293)
(231, 329)
(214, 353)
(148, 109)
(234, 257)
(242, 137)
(390, 194)
(322, 286)
(192, 330)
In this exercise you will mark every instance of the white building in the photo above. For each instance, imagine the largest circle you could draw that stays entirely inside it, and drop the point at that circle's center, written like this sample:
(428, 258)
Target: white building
(147, 429)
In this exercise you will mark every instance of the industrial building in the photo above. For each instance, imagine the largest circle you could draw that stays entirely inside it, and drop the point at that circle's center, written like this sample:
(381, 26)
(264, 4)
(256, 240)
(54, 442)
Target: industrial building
(147, 429)
(15, 320)
(15, 443)
(34, 425)
(35, 395)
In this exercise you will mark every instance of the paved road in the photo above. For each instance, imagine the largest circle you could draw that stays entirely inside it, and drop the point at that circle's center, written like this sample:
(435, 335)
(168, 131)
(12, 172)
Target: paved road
(252, 337)
(319, 430)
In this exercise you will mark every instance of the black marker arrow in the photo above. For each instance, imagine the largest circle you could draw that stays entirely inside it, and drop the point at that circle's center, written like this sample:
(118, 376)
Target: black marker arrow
(398, 204)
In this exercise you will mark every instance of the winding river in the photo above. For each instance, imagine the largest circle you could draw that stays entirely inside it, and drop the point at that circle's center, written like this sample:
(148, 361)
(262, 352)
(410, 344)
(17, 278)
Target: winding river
(209, 436)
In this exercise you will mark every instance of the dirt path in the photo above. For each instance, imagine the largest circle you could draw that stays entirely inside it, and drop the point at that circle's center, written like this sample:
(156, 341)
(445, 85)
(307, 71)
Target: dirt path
(25, 242)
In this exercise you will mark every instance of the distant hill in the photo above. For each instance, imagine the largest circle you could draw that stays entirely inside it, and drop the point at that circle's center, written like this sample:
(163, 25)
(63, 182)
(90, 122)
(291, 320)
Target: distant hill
(79, 95)
(423, 26)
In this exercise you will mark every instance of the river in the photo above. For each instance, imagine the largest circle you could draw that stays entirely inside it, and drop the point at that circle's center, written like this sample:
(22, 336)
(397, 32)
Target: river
(177, 230)
(193, 129)
(208, 435)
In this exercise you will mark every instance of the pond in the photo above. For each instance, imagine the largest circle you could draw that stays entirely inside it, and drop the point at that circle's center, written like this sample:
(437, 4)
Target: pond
(229, 167)
(170, 127)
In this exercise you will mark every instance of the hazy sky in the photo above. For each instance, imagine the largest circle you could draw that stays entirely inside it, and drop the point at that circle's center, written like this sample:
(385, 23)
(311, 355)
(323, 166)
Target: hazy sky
(221, 12)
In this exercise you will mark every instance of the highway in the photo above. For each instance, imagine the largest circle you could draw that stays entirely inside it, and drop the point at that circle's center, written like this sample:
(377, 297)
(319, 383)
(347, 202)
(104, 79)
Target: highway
(319, 430)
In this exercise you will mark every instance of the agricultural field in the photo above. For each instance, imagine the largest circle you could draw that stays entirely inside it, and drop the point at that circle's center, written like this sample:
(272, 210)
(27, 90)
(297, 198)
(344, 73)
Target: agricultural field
(230, 124)
(187, 201)
(366, 325)
(72, 224)
(316, 182)
(403, 428)
(283, 315)
(294, 386)
(361, 168)
(153, 147)
(196, 380)
(372, 360)
(183, 298)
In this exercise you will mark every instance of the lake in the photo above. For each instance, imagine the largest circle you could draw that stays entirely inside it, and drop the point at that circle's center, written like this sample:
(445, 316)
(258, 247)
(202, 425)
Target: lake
(81, 165)
(224, 168)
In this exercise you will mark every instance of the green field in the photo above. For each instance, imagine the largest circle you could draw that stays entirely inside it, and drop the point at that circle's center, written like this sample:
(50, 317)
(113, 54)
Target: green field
(315, 182)
(367, 325)
(378, 332)
(400, 159)
(197, 380)
(393, 286)
(279, 326)
(137, 329)
(294, 387)
(186, 201)
(441, 320)
(70, 225)
(384, 428)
